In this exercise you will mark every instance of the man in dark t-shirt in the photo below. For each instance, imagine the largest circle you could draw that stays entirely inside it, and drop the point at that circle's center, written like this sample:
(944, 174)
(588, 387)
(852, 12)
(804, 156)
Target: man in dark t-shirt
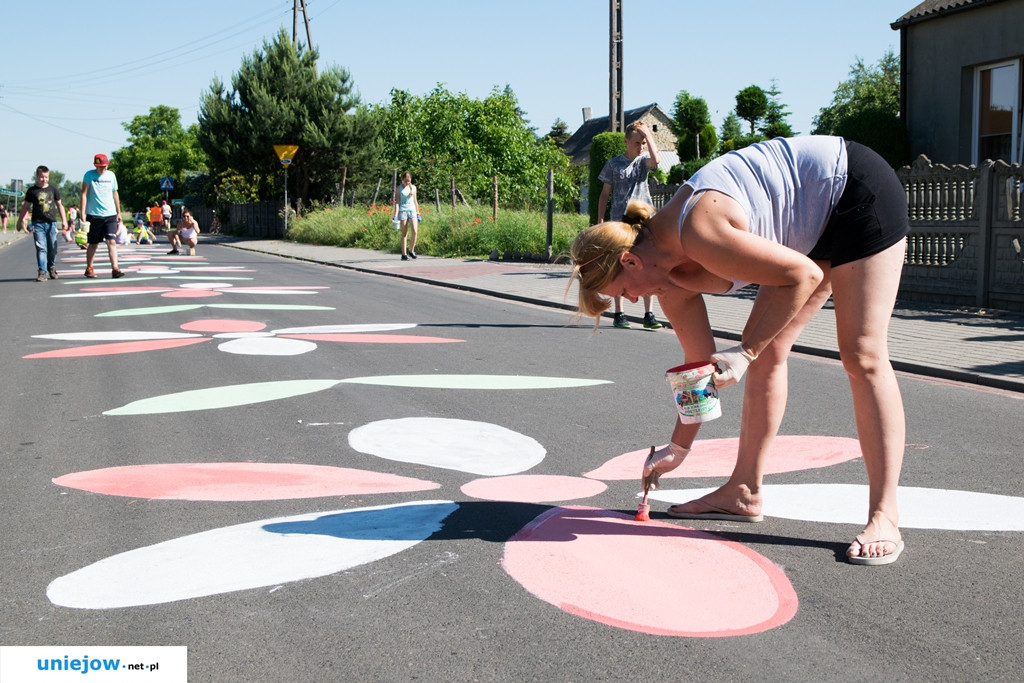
(43, 200)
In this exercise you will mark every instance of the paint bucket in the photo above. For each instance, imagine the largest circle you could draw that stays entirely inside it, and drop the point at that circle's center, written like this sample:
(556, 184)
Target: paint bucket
(694, 392)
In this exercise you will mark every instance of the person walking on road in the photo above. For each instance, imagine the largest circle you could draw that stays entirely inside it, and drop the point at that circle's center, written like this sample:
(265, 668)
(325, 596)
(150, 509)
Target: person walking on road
(165, 215)
(625, 179)
(804, 218)
(43, 201)
(407, 213)
(101, 205)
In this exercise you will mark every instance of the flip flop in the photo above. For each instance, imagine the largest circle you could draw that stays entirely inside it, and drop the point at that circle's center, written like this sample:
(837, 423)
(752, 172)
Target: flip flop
(888, 558)
(715, 513)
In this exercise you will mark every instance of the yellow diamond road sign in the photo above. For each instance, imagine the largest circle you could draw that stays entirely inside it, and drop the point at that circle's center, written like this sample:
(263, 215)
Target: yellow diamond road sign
(285, 153)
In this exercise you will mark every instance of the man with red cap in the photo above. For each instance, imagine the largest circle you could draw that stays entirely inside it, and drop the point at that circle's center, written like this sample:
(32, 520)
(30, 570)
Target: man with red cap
(102, 206)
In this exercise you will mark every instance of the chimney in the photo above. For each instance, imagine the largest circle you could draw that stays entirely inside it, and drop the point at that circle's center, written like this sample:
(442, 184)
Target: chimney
(586, 114)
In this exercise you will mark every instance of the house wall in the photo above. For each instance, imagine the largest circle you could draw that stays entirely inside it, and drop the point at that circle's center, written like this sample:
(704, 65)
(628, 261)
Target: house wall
(939, 56)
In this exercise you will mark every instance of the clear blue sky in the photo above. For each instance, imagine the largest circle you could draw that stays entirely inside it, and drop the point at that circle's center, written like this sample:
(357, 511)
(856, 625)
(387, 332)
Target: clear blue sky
(74, 73)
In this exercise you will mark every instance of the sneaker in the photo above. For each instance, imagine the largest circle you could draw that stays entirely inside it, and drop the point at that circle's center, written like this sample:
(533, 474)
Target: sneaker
(53, 273)
(89, 272)
(173, 251)
(651, 323)
(115, 273)
(404, 257)
(41, 277)
(412, 254)
(621, 322)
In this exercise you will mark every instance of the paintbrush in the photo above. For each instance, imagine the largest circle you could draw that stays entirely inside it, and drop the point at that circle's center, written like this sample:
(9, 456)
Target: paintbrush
(643, 511)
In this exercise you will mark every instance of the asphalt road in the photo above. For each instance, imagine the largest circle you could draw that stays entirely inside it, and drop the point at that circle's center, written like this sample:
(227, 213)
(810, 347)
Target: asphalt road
(449, 608)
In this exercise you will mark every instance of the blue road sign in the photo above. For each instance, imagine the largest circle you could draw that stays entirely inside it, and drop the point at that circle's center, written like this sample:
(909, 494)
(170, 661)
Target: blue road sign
(167, 183)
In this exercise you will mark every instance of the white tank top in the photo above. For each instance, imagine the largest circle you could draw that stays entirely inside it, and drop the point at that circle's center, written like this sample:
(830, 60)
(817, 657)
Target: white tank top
(788, 187)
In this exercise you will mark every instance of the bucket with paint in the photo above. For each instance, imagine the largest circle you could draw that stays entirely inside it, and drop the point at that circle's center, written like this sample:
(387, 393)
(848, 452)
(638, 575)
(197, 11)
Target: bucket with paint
(694, 392)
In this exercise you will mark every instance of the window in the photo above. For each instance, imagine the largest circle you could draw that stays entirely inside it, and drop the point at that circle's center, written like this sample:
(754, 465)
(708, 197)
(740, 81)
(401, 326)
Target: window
(997, 121)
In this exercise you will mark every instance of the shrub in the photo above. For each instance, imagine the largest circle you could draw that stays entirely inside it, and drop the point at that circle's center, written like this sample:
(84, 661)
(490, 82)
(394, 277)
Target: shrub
(469, 232)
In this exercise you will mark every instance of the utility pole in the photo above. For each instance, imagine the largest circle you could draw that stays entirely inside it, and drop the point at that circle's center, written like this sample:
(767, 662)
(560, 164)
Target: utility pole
(300, 5)
(616, 113)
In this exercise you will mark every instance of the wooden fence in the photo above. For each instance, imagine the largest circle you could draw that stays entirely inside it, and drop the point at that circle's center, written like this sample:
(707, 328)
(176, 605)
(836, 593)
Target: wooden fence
(966, 242)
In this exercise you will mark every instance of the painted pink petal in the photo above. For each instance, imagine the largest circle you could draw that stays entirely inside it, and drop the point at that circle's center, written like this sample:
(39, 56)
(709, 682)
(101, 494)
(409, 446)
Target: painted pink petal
(190, 293)
(215, 325)
(717, 457)
(593, 563)
(533, 488)
(238, 481)
(374, 338)
(118, 347)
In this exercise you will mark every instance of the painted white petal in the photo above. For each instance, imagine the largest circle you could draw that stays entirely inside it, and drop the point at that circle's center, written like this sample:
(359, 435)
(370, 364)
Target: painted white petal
(251, 555)
(475, 447)
(920, 508)
(267, 346)
(114, 336)
(204, 285)
(242, 335)
(223, 397)
(345, 329)
(154, 310)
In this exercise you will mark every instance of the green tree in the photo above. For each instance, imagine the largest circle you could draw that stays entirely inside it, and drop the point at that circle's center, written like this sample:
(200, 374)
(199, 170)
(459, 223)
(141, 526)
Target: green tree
(751, 105)
(773, 123)
(559, 133)
(729, 133)
(866, 108)
(158, 146)
(278, 97)
(690, 121)
(446, 135)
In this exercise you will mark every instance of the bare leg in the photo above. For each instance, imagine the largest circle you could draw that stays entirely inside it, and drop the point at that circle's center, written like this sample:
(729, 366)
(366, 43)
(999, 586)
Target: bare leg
(90, 255)
(112, 251)
(764, 404)
(415, 232)
(405, 235)
(865, 294)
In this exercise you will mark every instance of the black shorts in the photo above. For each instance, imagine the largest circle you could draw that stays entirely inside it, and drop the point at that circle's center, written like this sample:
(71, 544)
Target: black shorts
(871, 215)
(101, 228)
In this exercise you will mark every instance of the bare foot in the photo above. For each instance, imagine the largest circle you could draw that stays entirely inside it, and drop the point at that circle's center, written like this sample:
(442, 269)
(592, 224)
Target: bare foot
(879, 541)
(730, 502)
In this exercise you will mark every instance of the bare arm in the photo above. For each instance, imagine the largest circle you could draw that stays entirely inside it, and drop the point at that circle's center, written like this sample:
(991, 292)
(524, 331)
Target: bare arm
(603, 202)
(652, 147)
(688, 315)
(63, 215)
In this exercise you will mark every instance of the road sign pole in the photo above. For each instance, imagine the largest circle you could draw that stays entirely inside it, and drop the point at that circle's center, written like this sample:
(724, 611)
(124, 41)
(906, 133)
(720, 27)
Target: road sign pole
(285, 200)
